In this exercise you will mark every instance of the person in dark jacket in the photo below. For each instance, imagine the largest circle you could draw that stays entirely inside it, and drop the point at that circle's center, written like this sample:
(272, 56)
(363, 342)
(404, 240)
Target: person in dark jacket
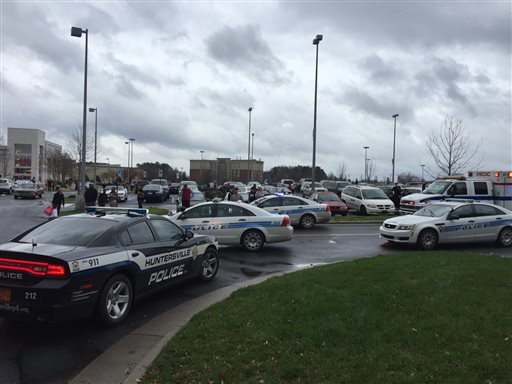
(58, 200)
(102, 198)
(140, 197)
(397, 192)
(90, 195)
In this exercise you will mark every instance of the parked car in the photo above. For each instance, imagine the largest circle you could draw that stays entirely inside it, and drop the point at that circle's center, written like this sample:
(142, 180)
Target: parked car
(164, 185)
(153, 192)
(235, 223)
(28, 191)
(334, 185)
(98, 264)
(307, 190)
(174, 188)
(122, 192)
(335, 204)
(367, 200)
(6, 185)
(450, 222)
(303, 212)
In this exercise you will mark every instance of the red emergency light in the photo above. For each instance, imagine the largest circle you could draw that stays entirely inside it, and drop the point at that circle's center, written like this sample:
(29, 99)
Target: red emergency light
(510, 174)
(496, 174)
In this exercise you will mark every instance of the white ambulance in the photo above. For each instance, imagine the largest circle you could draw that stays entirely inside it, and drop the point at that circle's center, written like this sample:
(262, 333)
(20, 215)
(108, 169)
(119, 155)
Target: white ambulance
(483, 186)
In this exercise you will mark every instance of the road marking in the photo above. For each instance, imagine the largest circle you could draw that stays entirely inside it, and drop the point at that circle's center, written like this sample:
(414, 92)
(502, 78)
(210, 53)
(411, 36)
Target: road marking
(336, 234)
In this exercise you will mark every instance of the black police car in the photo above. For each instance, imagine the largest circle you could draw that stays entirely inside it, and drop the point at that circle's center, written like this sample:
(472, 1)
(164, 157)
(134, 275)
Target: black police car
(98, 263)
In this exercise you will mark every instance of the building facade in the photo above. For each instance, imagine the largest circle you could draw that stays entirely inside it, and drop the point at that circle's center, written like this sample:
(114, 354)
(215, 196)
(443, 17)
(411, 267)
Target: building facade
(26, 154)
(225, 169)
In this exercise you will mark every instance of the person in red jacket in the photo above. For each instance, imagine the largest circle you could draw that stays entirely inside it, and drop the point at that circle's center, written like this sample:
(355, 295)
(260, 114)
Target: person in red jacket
(186, 195)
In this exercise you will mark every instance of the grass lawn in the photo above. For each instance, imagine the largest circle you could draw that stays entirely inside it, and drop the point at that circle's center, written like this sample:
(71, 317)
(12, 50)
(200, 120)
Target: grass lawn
(413, 317)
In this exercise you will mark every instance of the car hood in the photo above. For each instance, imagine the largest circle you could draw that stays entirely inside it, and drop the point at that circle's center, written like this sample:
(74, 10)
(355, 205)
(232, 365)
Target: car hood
(411, 219)
(421, 197)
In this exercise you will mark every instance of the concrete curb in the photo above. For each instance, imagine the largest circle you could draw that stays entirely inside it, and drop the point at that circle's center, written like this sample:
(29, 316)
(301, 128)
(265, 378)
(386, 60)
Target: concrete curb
(127, 360)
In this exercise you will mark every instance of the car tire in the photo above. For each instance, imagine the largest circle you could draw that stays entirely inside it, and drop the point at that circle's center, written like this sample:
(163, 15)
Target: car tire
(428, 239)
(307, 221)
(15, 197)
(505, 237)
(115, 300)
(209, 265)
(363, 211)
(253, 240)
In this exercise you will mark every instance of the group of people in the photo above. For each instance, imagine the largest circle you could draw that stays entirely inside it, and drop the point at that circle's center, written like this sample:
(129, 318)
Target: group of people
(92, 196)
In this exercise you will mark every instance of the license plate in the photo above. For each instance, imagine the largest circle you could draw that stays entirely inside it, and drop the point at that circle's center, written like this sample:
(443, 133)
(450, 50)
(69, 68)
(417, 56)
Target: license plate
(5, 295)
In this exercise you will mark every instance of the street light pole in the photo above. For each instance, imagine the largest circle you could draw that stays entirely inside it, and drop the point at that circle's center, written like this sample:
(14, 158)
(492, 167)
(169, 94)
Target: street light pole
(131, 166)
(366, 163)
(249, 149)
(201, 169)
(394, 140)
(252, 152)
(422, 172)
(77, 32)
(316, 41)
(95, 110)
(128, 162)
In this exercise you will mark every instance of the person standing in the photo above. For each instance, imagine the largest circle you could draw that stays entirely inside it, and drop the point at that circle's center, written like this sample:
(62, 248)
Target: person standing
(259, 193)
(58, 200)
(90, 195)
(397, 191)
(140, 197)
(102, 198)
(185, 195)
(235, 196)
(112, 198)
(252, 193)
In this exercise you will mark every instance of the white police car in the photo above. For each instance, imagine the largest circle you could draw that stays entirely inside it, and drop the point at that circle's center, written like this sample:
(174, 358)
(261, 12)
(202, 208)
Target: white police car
(236, 223)
(98, 263)
(451, 222)
(303, 212)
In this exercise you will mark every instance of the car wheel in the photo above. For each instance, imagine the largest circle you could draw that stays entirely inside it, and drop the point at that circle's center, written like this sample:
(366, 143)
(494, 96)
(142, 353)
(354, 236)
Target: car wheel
(15, 197)
(362, 210)
(209, 265)
(307, 221)
(505, 237)
(428, 239)
(253, 240)
(115, 300)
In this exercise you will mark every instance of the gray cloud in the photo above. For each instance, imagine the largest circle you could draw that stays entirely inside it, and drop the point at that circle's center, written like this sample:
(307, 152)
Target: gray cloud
(244, 49)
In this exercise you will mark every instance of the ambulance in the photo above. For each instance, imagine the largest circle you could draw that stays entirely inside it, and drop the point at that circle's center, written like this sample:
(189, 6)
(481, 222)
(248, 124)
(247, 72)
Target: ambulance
(479, 186)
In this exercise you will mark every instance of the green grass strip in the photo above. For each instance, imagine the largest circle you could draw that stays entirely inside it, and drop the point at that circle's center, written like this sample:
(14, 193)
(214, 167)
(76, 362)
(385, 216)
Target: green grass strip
(413, 317)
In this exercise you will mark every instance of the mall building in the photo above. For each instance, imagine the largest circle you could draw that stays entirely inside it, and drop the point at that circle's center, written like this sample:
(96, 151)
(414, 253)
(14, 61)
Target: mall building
(225, 169)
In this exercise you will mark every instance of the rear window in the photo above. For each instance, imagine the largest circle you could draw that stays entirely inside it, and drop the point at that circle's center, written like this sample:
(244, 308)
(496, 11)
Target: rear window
(68, 231)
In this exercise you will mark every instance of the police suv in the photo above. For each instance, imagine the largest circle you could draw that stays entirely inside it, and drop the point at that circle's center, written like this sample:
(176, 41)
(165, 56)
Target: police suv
(98, 263)
(486, 186)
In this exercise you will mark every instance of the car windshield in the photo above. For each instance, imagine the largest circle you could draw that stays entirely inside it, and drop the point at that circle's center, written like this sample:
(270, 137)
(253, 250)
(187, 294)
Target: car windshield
(27, 186)
(69, 231)
(434, 210)
(437, 187)
(374, 194)
(328, 197)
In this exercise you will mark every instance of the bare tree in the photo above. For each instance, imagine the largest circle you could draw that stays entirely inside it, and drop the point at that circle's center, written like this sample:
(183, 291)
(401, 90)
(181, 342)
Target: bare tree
(74, 144)
(372, 169)
(451, 148)
(342, 171)
(4, 161)
(407, 178)
(59, 165)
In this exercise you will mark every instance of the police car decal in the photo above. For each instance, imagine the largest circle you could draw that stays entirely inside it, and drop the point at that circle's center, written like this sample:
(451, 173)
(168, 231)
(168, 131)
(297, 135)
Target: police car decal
(466, 227)
(100, 261)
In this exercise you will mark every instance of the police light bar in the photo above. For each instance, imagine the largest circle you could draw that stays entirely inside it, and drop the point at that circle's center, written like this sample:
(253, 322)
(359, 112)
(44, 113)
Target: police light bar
(128, 211)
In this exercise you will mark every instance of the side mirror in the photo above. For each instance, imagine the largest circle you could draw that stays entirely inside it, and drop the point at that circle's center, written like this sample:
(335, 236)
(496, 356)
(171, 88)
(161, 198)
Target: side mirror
(189, 234)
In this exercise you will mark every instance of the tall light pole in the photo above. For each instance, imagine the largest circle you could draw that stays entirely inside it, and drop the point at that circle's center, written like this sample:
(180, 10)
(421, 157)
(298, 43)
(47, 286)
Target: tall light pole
(131, 166)
(77, 32)
(249, 149)
(95, 110)
(252, 151)
(422, 172)
(366, 163)
(128, 162)
(394, 141)
(201, 169)
(316, 41)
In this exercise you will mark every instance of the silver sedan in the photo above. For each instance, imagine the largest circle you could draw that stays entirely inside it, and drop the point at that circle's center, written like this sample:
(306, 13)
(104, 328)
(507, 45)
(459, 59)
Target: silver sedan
(236, 223)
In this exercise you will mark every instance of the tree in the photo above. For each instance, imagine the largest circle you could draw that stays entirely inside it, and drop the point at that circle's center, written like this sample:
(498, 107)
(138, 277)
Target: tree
(451, 148)
(74, 144)
(407, 178)
(372, 169)
(342, 171)
(59, 165)
(4, 161)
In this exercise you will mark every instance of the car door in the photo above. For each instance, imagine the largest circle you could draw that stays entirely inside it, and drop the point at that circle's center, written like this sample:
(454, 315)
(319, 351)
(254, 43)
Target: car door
(273, 204)
(488, 222)
(229, 222)
(460, 224)
(294, 208)
(198, 219)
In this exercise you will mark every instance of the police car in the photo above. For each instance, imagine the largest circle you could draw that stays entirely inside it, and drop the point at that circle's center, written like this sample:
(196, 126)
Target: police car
(303, 212)
(236, 223)
(98, 263)
(451, 222)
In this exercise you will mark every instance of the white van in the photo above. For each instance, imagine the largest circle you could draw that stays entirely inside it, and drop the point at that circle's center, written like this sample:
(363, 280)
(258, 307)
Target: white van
(366, 199)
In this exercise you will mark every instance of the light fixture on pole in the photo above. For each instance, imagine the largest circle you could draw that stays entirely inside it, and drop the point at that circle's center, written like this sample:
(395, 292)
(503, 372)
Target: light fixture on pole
(422, 172)
(394, 140)
(131, 166)
(366, 163)
(77, 32)
(249, 149)
(108, 160)
(316, 41)
(95, 110)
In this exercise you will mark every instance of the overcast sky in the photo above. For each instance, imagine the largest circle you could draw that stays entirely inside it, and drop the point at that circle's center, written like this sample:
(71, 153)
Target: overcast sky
(179, 78)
